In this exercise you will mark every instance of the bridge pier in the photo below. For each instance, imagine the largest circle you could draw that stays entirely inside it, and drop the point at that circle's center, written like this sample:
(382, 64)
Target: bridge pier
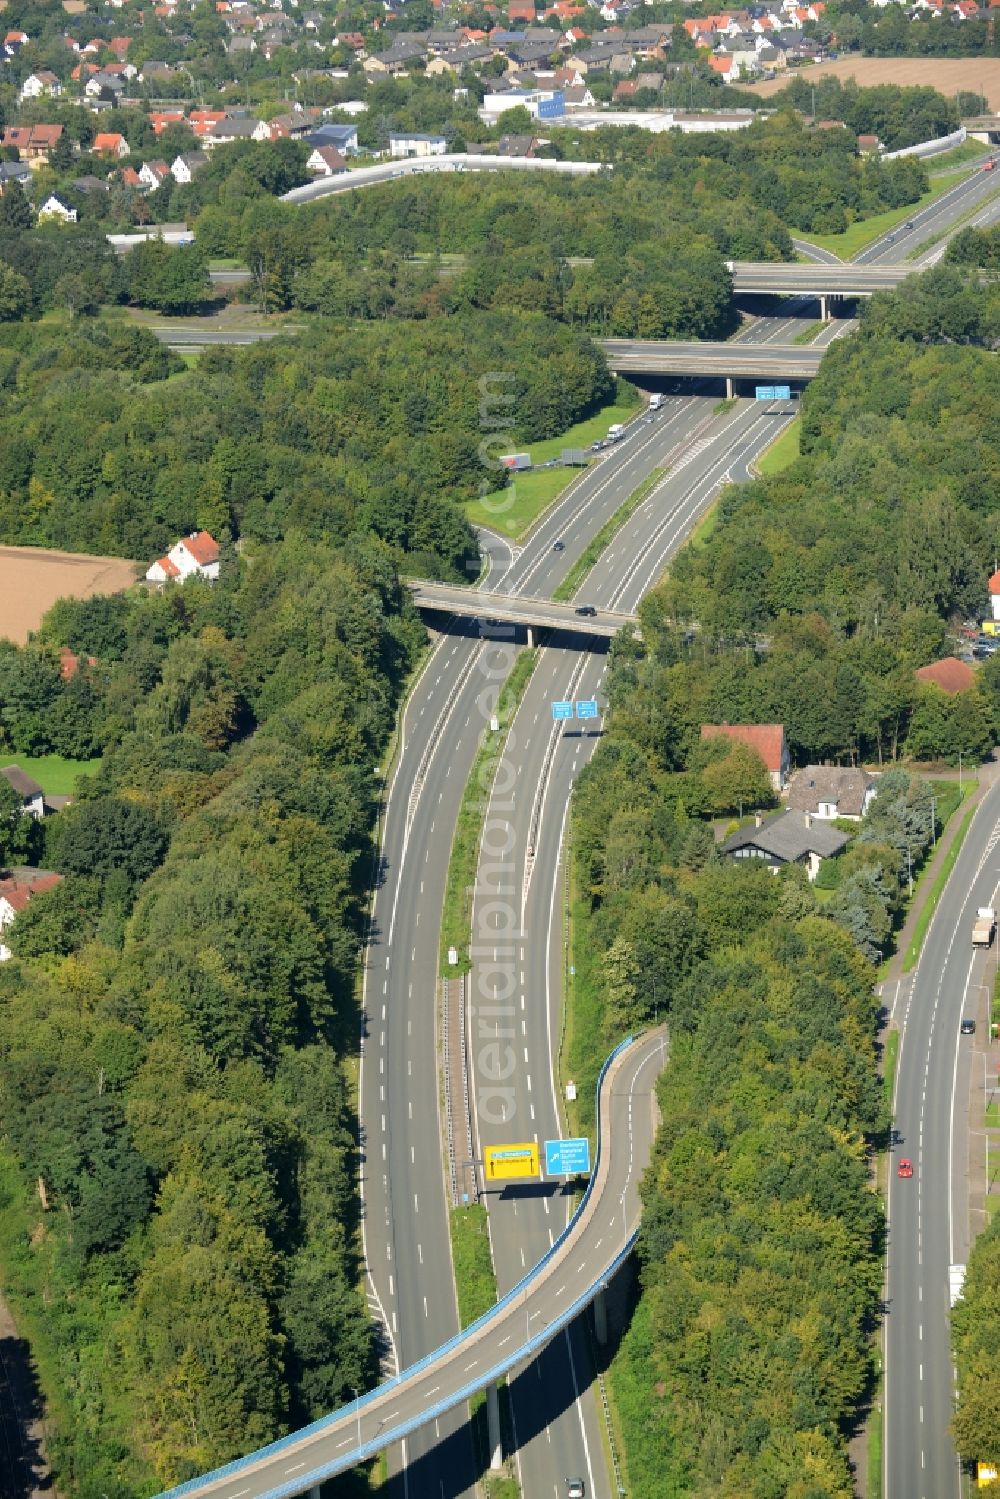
(531, 637)
(824, 309)
(314, 1492)
(493, 1427)
(601, 1317)
(730, 392)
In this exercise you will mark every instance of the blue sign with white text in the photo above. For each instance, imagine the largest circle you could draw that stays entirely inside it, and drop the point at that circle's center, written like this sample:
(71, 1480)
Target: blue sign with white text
(773, 392)
(567, 1157)
(562, 710)
(587, 708)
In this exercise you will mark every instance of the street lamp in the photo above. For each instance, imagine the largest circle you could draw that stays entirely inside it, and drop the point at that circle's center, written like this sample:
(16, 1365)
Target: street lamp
(357, 1406)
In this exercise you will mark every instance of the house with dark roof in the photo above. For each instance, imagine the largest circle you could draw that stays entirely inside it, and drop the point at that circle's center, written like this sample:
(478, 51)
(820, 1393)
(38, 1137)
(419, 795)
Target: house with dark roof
(829, 791)
(792, 837)
(768, 739)
(31, 794)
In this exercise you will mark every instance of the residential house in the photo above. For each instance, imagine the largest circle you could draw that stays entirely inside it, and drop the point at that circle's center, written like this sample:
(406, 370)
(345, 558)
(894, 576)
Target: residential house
(994, 592)
(344, 137)
(14, 171)
(33, 142)
(417, 145)
(55, 208)
(110, 143)
(792, 837)
(326, 161)
(184, 168)
(522, 146)
(42, 84)
(16, 889)
(31, 794)
(153, 174)
(829, 791)
(223, 132)
(768, 739)
(196, 555)
(104, 85)
(161, 118)
(130, 178)
(949, 675)
(578, 96)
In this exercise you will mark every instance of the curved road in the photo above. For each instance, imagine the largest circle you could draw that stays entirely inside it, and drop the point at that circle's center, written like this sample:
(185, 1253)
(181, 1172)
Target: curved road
(602, 1230)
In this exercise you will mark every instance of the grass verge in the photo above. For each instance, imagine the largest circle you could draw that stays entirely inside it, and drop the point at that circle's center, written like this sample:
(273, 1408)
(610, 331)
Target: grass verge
(782, 453)
(513, 511)
(584, 1045)
(890, 1057)
(473, 1261)
(582, 566)
(808, 335)
(860, 234)
(929, 904)
(874, 1465)
(456, 917)
(56, 775)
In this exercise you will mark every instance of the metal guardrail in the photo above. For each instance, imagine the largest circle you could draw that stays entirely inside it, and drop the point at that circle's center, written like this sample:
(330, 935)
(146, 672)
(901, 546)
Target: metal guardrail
(523, 1350)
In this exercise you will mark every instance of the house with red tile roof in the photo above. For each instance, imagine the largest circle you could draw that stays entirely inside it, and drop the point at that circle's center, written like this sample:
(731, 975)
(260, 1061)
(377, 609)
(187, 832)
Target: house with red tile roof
(194, 555)
(949, 675)
(767, 739)
(110, 143)
(16, 890)
(33, 142)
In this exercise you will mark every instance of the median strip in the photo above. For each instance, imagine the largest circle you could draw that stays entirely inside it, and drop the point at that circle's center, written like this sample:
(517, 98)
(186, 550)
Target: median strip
(600, 543)
(456, 917)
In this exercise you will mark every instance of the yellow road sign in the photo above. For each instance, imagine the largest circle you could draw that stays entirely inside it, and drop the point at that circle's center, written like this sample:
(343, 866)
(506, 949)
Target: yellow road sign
(502, 1161)
(987, 1475)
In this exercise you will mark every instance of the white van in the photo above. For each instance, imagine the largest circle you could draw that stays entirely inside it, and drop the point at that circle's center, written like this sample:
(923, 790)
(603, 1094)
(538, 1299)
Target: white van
(655, 401)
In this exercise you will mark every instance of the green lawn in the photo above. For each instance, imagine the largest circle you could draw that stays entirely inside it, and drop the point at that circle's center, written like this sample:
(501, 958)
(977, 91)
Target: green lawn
(856, 236)
(227, 263)
(55, 774)
(783, 451)
(958, 156)
(941, 878)
(513, 511)
(473, 1261)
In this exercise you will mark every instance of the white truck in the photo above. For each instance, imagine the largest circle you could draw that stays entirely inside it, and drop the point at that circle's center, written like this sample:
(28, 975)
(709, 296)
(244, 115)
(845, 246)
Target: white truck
(655, 401)
(615, 431)
(984, 926)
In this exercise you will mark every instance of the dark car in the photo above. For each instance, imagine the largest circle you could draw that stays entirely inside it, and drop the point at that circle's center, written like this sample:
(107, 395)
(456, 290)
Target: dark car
(559, 546)
(595, 447)
(968, 1027)
(908, 224)
(587, 609)
(575, 1488)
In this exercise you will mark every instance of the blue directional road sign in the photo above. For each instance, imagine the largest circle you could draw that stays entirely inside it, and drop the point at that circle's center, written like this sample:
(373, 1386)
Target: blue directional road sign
(587, 708)
(765, 392)
(782, 392)
(562, 710)
(567, 1157)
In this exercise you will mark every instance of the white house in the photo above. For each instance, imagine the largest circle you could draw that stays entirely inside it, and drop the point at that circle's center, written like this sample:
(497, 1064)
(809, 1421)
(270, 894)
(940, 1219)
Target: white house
(194, 555)
(183, 168)
(55, 208)
(152, 174)
(417, 145)
(829, 791)
(16, 890)
(325, 161)
(39, 85)
(31, 794)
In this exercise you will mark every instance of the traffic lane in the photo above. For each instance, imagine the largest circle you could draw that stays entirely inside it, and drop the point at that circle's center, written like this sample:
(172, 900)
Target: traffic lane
(635, 561)
(599, 493)
(919, 1455)
(933, 218)
(552, 1426)
(600, 1236)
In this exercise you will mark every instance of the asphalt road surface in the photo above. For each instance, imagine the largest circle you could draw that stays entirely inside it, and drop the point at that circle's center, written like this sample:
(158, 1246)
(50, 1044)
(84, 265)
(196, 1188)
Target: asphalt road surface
(607, 1222)
(927, 1214)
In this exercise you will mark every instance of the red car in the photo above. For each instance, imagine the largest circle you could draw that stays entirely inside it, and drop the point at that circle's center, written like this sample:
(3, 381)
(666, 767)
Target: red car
(905, 1168)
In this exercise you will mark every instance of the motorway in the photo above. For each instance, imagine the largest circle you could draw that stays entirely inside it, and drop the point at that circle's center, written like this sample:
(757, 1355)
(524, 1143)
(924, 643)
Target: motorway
(928, 1214)
(405, 1211)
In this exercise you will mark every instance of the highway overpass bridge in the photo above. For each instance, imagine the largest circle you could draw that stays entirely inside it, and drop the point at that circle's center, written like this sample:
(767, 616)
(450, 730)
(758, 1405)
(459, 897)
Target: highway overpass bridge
(729, 361)
(533, 614)
(572, 1274)
(817, 279)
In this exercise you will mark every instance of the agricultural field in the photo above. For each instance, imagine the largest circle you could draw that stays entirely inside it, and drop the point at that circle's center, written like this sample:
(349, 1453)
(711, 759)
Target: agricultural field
(32, 579)
(947, 74)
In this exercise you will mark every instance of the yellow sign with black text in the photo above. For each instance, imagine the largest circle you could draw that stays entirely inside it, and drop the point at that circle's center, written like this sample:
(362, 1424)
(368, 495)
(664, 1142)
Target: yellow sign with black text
(986, 1475)
(501, 1162)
